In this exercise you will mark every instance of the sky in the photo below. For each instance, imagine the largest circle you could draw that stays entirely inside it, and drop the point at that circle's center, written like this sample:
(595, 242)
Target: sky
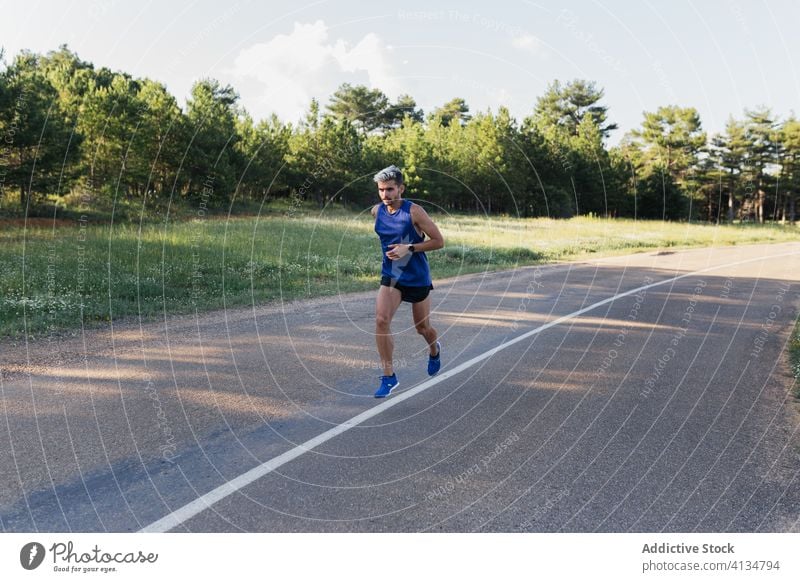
(719, 56)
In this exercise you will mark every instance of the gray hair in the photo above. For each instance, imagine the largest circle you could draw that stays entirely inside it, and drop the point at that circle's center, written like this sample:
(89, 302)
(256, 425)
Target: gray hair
(390, 173)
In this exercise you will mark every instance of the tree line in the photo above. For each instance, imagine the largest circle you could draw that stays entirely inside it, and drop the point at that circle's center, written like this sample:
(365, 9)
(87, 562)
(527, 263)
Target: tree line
(68, 127)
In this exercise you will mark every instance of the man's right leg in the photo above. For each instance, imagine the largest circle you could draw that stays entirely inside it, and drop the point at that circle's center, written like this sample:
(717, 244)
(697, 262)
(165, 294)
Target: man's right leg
(385, 307)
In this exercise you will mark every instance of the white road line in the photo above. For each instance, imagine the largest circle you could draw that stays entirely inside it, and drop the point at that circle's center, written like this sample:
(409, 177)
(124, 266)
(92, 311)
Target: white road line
(204, 502)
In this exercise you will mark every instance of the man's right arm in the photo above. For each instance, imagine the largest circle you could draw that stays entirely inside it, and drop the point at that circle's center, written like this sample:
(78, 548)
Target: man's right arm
(374, 211)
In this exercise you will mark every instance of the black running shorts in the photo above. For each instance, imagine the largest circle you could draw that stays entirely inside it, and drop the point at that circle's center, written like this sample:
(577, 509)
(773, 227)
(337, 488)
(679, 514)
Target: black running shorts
(407, 293)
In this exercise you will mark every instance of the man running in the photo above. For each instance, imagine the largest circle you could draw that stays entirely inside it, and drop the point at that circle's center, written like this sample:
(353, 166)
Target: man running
(405, 275)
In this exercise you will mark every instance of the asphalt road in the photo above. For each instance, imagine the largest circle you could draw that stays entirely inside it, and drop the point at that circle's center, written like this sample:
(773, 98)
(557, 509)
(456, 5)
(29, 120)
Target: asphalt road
(648, 393)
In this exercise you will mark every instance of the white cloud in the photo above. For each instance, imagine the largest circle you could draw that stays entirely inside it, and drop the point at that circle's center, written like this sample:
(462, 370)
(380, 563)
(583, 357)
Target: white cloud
(292, 68)
(500, 96)
(528, 42)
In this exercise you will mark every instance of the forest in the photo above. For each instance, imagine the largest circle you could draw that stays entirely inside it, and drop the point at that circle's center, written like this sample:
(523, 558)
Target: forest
(71, 133)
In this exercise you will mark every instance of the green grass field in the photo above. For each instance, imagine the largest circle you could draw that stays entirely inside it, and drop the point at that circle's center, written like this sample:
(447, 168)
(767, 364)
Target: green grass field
(62, 277)
(794, 357)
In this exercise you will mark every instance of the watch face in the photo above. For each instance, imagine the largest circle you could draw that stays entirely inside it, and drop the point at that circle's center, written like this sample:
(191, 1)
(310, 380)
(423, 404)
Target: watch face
(411, 248)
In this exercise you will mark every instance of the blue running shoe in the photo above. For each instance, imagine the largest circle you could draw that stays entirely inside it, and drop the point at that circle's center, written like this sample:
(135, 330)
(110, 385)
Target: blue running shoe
(388, 383)
(435, 362)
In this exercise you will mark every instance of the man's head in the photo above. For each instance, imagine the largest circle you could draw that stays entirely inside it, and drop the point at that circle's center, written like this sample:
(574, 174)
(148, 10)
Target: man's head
(390, 184)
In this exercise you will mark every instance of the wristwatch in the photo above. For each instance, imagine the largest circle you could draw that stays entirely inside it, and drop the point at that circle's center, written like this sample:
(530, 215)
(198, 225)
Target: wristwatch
(410, 248)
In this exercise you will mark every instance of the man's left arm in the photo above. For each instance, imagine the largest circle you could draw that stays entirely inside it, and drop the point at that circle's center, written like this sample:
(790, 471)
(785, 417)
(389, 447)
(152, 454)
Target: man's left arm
(424, 224)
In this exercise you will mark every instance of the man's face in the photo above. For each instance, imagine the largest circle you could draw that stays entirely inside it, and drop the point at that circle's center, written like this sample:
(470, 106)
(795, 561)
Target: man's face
(389, 191)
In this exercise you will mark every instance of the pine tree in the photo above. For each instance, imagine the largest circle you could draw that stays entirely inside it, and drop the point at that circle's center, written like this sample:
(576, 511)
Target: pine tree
(730, 150)
(790, 165)
(760, 133)
(565, 107)
(212, 162)
(365, 109)
(454, 110)
(40, 146)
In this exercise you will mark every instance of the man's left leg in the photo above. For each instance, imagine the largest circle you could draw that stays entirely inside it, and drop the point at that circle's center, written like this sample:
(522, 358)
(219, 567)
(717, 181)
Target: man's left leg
(421, 313)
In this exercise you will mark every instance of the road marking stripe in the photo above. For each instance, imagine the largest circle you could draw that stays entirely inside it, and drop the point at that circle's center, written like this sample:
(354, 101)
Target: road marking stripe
(204, 502)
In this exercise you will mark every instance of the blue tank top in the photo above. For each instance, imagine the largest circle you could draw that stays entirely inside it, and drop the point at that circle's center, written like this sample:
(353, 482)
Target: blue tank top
(412, 270)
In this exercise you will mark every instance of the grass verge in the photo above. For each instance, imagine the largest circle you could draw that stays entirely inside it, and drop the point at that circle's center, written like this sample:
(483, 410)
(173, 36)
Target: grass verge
(794, 357)
(73, 272)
